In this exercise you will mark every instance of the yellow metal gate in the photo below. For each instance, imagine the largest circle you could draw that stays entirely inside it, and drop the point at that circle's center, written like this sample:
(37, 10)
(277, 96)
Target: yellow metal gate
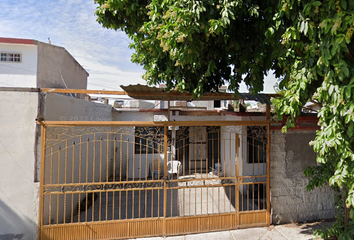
(110, 180)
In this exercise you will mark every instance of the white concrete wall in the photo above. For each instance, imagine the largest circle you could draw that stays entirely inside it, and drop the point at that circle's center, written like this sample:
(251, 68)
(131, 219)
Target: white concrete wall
(227, 149)
(65, 108)
(58, 69)
(19, 74)
(18, 189)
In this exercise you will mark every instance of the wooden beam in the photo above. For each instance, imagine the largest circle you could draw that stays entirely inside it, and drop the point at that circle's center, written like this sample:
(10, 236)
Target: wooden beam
(100, 123)
(82, 91)
(151, 123)
(267, 112)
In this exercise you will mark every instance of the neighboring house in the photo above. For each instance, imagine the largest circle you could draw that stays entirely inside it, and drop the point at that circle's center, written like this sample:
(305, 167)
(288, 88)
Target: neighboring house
(34, 64)
(25, 66)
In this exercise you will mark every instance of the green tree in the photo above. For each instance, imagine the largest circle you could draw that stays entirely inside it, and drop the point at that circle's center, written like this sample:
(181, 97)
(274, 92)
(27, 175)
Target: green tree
(197, 45)
(319, 66)
(200, 45)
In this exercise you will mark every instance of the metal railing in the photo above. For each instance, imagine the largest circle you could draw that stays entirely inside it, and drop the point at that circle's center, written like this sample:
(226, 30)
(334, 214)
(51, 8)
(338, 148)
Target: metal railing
(120, 177)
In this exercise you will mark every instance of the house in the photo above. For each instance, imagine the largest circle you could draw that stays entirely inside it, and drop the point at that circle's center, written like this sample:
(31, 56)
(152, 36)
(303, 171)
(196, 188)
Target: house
(33, 64)
(175, 167)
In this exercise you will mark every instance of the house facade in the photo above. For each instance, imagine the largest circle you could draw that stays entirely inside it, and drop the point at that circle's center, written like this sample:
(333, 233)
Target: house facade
(33, 64)
(162, 166)
(25, 66)
(168, 168)
(290, 155)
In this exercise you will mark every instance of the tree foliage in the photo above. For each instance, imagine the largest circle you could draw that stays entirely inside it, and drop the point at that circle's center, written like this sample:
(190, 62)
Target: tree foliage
(191, 44)
(200, 45)
(320, 67)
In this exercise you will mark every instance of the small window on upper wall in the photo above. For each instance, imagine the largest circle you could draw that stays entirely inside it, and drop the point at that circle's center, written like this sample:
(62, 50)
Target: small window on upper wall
(10, 57)
(217, 103)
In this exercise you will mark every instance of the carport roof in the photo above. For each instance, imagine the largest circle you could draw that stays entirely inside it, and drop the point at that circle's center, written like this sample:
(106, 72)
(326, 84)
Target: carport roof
(153, 93)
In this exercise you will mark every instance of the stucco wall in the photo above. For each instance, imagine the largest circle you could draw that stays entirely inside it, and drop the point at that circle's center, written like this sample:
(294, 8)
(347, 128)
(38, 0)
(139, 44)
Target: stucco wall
(290, 155)
(18, 189)
(56, 66)
(19, 74)
(65, 108)
(43, 65)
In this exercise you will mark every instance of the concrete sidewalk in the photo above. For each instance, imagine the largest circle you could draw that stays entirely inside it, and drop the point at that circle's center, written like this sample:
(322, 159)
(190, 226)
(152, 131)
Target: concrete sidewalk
(292, 231)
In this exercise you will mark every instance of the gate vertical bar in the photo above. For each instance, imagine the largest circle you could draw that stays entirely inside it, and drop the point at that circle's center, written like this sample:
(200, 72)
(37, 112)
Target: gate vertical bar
(41, 183)
(165, 140)
(237, 186)
(268, 174)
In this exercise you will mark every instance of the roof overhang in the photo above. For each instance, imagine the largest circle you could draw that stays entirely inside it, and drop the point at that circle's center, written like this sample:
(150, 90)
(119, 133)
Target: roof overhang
(153, 93)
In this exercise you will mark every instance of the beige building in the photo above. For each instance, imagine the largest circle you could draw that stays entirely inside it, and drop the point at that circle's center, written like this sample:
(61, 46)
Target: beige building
(34, 64)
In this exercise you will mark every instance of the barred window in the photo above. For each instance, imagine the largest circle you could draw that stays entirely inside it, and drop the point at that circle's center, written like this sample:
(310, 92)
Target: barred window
(10, 57)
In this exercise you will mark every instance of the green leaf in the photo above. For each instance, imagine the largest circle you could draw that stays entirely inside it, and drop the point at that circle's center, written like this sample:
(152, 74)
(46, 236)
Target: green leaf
(344, 4)
(316, 3)
(345, 70)
(330, 90)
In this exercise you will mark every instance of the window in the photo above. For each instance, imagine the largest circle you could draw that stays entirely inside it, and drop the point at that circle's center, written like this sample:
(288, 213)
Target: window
(10, 57)
(257, 144)
(217, 103)
(149, 140)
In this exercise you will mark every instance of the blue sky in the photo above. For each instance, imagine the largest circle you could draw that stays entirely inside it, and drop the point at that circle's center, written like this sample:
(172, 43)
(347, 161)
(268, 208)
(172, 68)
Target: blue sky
(104, 53)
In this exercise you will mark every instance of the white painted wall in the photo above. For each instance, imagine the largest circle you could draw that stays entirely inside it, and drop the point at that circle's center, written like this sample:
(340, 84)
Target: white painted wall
(66, 108)
(228, 152)
(18, 189)
(58, 69)
(19, 74)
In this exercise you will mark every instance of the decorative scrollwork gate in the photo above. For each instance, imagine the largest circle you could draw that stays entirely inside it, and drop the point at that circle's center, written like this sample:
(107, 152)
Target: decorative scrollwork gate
(109, 180)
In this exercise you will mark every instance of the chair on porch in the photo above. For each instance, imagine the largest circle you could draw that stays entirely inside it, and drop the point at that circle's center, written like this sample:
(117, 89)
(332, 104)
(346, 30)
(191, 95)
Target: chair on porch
(173, 167)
